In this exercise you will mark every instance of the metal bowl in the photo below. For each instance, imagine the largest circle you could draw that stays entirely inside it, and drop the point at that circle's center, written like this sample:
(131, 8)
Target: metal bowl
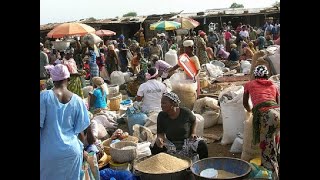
(233, 165)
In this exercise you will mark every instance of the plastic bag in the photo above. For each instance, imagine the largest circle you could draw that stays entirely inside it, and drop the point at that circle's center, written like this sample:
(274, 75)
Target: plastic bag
(90, 168)
(259, 172)
(143, 149)
(107, 174)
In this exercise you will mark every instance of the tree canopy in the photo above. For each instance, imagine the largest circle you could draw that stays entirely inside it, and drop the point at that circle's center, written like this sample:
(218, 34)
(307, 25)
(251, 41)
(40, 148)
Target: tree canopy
(235, 5)
(130, 14)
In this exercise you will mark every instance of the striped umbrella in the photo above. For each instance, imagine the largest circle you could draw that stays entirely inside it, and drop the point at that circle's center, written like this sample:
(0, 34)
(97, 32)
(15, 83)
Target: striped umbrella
(165, 25)
(187, 23)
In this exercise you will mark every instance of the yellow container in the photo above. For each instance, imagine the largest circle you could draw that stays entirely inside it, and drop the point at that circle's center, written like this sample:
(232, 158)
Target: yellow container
(114, 102)
(118, 166)
(256, 161)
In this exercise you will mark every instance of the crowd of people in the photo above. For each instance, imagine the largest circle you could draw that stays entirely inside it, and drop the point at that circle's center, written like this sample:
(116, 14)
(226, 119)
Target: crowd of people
(64, 117)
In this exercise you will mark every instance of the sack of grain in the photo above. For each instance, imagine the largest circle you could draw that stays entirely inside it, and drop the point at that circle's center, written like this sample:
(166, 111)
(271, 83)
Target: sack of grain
(249, 151)
(179, 82)
(187, 98)
(117, 77)
(233, 113)
(91, 38)
(237, 145)
(127, 76)
(209, 109)
(151, 122)
(86, 91)
(211, 118)
(143, 133)
(200, 125)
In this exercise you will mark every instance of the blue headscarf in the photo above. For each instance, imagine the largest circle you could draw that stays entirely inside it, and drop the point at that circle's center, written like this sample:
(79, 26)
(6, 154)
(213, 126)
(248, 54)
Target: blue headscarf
(121, 37)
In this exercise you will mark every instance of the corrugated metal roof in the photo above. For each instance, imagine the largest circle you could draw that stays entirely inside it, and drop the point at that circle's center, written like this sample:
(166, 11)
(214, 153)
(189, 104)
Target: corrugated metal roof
(139, 19)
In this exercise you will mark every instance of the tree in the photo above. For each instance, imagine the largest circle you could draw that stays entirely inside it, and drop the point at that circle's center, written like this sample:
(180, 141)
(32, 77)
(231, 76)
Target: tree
(130, 14)
(91, 19)
(276, 4)
(235, 5)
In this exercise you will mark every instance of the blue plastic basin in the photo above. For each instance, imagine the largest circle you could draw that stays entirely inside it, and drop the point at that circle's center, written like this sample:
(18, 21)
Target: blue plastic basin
(233, 165)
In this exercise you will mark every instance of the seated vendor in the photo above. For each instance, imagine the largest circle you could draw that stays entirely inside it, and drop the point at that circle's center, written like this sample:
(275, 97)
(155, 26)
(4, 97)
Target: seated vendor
(177, 124)
(98, 98)
(150, 92)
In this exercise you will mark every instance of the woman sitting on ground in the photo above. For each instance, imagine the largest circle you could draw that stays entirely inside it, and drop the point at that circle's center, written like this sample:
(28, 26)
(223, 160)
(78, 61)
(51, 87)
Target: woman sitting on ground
(177, 124)
(151, 92)
(247, 53)
(98, 98)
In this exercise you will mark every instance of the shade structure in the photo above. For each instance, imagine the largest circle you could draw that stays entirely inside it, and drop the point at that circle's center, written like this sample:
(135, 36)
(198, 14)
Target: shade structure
(103, 32)
(165, 25)
(187, 23)
(70, 29)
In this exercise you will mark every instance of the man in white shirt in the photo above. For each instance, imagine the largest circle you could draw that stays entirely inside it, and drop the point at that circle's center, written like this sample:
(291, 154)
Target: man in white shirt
(244, 34)
(150, 92)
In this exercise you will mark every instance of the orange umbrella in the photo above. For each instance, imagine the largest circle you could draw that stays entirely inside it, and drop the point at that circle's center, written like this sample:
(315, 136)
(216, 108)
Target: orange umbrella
(187, 23)
(70, 29)
(102, 33)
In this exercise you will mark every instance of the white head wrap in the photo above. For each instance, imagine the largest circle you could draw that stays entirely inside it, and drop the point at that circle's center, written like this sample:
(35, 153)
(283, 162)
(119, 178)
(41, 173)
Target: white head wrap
(188, 43)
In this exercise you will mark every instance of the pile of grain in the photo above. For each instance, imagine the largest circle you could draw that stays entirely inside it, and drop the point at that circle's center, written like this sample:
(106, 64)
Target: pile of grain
(162, 163)
(225, 174)
(128, 147)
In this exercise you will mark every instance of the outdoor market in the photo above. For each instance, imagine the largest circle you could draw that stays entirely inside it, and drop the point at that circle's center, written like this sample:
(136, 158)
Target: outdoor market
(192, 100)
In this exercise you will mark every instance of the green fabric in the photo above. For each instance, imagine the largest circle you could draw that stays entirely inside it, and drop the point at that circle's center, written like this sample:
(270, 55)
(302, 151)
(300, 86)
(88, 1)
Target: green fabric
(256, 119)
(75, 85)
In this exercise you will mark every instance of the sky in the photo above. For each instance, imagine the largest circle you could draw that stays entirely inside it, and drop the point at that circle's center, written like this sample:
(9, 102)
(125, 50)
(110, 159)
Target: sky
(52, 11)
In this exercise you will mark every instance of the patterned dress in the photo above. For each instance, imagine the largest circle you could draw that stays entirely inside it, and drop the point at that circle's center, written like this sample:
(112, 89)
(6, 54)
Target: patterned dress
(201, 51)
(75, 83)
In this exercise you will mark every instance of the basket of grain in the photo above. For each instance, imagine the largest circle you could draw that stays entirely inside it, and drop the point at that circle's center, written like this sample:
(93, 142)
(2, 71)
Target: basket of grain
(123, 151)
(163, 166)
(106, 143)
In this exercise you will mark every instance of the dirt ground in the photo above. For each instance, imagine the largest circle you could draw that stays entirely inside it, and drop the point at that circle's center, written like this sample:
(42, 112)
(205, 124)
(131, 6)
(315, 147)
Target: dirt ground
(215, 148)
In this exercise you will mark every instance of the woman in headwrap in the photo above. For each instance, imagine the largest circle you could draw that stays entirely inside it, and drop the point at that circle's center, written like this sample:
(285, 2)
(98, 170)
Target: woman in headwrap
(63, 116)
(150, 92)
(177, 125)
(266, 115)
(98, 98)
(233, 58)
(247, 53)
(201, 49)
(251, 46)
(112, 60)
(75, 83)
(94, 68)
(135, 63)
(123, 50)
(155, 49)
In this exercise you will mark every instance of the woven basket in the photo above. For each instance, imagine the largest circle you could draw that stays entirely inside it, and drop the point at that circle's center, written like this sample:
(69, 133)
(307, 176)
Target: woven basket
(106, 143)
(122, 156)
(114, 104)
